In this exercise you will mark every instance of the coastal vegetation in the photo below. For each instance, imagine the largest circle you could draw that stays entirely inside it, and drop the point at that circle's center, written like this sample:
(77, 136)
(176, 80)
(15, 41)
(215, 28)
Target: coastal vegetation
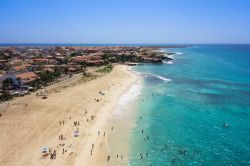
(6, 96)
(47, 76)
(88, 77)
(106, 69)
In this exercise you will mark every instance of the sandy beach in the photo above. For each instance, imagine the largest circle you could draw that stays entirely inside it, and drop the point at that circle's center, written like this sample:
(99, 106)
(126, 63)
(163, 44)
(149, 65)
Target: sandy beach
(77, 111)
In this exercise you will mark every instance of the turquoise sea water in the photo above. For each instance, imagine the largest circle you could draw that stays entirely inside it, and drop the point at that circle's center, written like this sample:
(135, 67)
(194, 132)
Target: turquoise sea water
(201, 116)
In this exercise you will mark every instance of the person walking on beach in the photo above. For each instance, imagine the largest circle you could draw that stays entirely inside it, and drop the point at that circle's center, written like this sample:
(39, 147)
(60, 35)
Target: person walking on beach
(51, 156)
(54, 154)
(108, 158)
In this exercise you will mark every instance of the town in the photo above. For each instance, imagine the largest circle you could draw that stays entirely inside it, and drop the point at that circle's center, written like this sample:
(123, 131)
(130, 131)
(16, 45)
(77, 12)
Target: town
(26, 69)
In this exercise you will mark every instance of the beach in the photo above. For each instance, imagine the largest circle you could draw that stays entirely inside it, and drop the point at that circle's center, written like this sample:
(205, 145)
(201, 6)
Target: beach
(73, 121)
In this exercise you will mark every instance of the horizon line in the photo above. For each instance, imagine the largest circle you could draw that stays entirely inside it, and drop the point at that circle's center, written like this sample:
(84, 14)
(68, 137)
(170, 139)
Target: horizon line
(93, 44)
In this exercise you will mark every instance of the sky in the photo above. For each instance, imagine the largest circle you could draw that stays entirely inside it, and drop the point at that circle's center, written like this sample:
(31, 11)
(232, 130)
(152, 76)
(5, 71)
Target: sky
(125, 21)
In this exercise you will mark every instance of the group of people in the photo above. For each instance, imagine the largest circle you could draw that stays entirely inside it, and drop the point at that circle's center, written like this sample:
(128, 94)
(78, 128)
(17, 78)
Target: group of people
(117, 156)
(61, 122)
(61, 137)
(53, 155)
(100, 133)
(76, 123)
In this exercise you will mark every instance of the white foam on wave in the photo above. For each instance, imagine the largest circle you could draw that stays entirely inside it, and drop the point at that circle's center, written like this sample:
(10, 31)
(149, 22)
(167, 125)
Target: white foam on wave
(171, 56)
(178, 53)
(160, 77)
(131, 94)
(168, 62)
(163, 78)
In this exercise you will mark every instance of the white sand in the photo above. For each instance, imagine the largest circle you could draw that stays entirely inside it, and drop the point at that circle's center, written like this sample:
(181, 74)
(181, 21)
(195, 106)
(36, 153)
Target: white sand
(31, 123)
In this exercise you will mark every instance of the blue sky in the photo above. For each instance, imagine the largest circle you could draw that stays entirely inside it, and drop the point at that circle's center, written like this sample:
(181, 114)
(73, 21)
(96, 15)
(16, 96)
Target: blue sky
(125, 21)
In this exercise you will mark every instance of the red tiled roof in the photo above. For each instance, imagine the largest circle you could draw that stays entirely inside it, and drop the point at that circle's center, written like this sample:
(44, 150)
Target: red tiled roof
(40, 60)
(22, 67)
(27, 76)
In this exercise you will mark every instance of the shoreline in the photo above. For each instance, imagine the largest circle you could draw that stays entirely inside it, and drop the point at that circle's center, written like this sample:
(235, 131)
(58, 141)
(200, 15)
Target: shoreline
(31, 123)
(123, 119)
(99, 157)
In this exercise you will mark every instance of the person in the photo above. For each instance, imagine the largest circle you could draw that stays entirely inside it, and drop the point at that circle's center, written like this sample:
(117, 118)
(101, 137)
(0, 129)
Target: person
(51, 156)
(104, 134)
(60, 123)
(142, 157)
(63, 122)
(142, 131)
(108, 158)
(91, 152)
(54, 154)
(117, 156)
(63, 151)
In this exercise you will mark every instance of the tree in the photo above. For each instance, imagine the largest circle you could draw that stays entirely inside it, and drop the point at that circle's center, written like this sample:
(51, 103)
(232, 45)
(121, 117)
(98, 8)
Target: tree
(57, 72)
(19, 81)
(84, 70)
(73, 54)
(7, 83)
(83, 66)
(6, 86)
(5, 96)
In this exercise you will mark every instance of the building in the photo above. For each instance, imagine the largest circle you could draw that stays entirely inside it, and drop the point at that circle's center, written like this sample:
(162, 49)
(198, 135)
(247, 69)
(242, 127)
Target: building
(27, 78)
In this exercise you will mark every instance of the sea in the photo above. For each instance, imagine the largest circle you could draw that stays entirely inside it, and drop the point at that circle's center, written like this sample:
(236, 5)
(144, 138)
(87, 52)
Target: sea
(194, 110)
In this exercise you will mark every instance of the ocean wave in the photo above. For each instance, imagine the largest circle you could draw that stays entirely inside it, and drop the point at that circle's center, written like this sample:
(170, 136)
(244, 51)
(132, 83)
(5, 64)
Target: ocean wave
(159, 77)
(178, 53)
(163, 78)
(131, 94)
(168, 62)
